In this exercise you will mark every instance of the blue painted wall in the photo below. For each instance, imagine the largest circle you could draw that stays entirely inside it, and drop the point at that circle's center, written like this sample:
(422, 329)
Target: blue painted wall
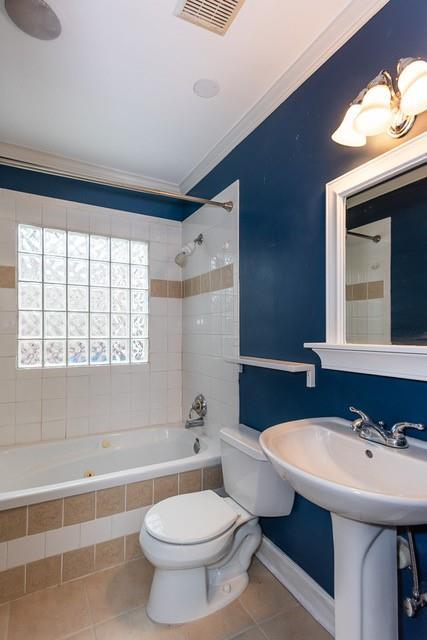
(90, 193)
(283, 167)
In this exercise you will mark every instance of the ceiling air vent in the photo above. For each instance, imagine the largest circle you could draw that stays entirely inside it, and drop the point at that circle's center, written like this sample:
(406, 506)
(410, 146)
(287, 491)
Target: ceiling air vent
(215, 15)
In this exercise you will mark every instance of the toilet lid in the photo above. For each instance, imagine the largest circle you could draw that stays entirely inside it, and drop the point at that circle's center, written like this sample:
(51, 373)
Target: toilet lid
(190, 518)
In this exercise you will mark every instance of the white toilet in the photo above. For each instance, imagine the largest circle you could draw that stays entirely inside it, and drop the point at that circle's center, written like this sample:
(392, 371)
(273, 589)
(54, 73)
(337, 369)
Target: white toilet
(201, 544)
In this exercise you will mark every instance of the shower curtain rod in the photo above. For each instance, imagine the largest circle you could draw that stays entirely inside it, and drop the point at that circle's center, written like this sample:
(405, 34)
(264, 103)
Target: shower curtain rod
(39, 168)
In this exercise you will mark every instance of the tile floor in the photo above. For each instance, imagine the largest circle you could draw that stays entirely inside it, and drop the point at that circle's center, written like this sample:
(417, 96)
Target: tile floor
(109, 605)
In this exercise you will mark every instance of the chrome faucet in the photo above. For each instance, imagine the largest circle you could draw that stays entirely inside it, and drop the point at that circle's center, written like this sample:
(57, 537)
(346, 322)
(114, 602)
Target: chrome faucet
(200, 408)
(372, 431)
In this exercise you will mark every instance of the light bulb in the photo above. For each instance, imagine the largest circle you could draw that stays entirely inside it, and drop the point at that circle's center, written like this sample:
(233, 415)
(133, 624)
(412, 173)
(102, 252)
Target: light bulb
(346, 133)
(375, 114)
(412, 83)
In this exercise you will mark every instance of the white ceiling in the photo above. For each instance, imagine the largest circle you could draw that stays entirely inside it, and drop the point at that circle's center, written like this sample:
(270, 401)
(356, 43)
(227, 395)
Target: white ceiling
(116, 88)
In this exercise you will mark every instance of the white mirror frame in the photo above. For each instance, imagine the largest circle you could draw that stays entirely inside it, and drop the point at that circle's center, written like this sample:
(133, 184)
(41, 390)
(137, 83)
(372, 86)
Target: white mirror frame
(397, 361)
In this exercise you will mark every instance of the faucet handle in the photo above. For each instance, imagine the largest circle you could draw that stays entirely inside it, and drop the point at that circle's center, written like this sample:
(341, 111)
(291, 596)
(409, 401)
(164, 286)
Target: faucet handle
(398, 430)
(363, 417)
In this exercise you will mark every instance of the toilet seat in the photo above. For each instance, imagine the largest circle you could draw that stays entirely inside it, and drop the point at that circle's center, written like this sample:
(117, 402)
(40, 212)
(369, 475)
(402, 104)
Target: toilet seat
(189, 519)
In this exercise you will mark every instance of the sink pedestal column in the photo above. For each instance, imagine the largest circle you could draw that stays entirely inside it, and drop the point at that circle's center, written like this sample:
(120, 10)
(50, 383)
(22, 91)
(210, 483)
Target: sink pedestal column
(365, 581)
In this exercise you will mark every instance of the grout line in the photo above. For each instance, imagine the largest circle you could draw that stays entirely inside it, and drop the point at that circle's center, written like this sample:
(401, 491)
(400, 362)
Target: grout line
(7, 621)
(237, 635)
(119, 615)
(262, 632)
(247, 610)
(70, 636)
(88, 604)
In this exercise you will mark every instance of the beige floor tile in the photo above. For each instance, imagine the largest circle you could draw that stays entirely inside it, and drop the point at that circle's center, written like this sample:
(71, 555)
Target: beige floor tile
(135, 625)
(87, 634)
(296, 624)
(265, 597)
(4, 621)
(50, 614)
(115, 591)
(221, 625)
(254, 633)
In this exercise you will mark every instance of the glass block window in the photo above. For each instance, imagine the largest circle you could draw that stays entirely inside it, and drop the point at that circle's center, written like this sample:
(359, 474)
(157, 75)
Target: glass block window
(82, 299)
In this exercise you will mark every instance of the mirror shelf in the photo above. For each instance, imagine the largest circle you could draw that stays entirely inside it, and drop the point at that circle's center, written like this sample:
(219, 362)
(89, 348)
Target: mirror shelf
(392, 360)
(395, 361)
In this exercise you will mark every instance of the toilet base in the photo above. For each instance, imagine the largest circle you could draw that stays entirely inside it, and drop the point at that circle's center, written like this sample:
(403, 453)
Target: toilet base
(182, 595)
(188, 598)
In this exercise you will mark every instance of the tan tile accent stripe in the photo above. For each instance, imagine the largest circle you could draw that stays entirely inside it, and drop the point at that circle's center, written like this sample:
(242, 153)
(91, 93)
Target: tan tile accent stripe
(365, 290)
(76, 563)
(7, 277)
(215, 280)
(166, 288)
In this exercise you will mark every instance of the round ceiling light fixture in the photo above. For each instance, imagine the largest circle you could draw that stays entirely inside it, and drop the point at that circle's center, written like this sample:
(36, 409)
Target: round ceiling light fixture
(34, 17)
(206, 88)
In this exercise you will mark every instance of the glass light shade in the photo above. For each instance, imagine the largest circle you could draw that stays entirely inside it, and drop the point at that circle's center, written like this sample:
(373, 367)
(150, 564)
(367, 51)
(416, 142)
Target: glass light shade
(346, 133)
(375, 115)
(412, 85)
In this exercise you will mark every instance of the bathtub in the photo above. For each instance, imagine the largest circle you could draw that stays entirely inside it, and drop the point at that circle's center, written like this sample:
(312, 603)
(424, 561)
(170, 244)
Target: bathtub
(42, 472)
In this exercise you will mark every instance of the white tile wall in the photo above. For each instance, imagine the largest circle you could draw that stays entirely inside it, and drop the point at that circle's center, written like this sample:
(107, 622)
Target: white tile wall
(369, 321)
(211, 320)
(53, 404)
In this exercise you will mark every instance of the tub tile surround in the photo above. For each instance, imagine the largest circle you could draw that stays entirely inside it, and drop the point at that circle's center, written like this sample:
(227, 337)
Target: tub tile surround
(64, 403)
(210, 310)
(84, 609)
(60, 540)
(47, 404)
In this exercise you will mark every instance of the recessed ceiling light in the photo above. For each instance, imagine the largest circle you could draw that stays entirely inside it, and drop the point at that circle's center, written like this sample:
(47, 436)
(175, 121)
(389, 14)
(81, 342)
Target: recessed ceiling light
(205, 88)
(34, 17)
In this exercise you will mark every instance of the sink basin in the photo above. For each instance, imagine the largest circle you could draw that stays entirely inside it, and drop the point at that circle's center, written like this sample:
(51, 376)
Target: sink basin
(329, 464)
(369, 490)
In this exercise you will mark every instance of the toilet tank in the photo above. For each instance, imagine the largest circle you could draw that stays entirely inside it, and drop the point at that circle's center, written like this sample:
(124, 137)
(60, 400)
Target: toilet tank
(249, 477)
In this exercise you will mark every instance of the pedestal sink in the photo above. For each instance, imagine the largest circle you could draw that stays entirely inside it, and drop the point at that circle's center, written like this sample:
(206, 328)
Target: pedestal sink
(369, 490)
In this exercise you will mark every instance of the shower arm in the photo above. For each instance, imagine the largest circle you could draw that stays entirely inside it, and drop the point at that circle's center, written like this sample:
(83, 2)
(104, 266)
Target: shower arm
(375, 239)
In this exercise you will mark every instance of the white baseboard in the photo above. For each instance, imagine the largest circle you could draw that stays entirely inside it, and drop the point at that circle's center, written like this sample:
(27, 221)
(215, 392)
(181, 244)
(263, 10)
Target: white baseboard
(306, 590)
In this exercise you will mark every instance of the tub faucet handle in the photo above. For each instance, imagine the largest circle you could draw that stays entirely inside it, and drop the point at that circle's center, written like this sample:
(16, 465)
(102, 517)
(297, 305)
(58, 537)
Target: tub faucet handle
(200, 408)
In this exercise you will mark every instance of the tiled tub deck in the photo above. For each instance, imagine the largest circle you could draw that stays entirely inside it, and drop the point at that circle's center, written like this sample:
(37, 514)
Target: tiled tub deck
(53, 542)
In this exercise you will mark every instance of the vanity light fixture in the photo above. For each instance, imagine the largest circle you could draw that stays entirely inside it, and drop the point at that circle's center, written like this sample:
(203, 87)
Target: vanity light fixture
(384, 107)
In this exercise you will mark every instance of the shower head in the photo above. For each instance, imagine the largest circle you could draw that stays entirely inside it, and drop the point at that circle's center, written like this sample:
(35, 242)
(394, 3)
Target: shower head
(187, 250)
(181, 258)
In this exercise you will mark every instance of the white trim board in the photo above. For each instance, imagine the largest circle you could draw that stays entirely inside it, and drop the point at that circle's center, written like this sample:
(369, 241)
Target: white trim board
(62, 163)
(350, 20)
(306, 590)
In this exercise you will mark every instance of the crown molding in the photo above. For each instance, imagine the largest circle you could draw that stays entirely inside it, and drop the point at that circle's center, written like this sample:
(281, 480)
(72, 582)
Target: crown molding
(62, 163)
(338, 32)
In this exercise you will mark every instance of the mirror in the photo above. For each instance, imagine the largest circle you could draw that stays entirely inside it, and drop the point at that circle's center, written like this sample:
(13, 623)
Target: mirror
(386, 262)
